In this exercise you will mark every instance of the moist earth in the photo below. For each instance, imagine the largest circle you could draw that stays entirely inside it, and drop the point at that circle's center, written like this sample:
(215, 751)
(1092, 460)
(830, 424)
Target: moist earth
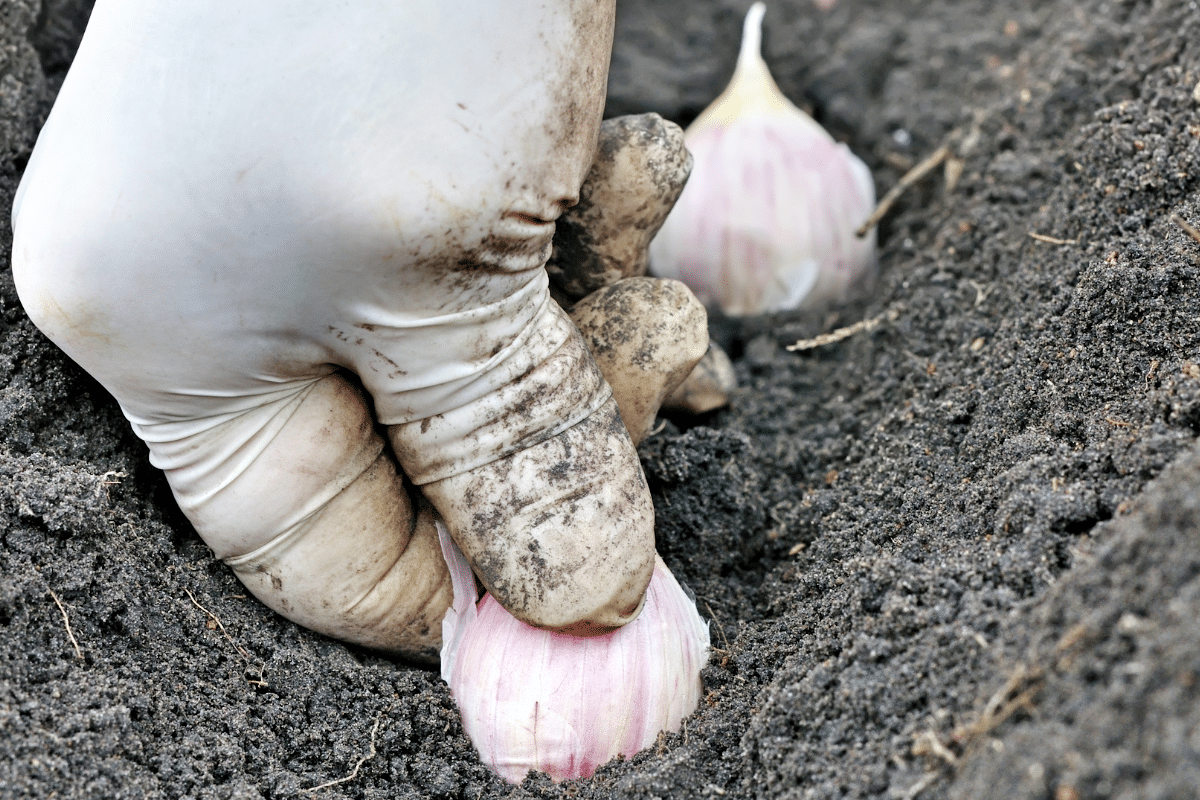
(956, 555)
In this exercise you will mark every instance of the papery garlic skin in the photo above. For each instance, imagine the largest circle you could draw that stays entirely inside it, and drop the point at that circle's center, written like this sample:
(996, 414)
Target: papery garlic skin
(564, 705)
(767, 220)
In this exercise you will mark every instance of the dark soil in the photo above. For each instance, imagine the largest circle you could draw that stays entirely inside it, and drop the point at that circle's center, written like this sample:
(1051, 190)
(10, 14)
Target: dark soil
(957, 556)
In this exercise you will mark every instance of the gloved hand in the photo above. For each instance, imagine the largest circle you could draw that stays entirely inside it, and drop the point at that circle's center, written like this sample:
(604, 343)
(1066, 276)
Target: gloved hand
(303, 247)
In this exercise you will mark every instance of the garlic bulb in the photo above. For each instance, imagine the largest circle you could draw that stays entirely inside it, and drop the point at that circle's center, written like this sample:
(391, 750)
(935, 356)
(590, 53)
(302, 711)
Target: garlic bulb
(767, 220)
(534, 699)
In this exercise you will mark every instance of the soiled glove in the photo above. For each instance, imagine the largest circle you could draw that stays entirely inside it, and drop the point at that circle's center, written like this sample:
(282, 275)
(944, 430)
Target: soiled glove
(302, 244)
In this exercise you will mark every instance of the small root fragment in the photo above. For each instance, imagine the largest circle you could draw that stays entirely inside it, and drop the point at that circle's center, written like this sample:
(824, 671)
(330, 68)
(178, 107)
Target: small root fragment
(720, 627)
(920, 786)
(928, 743)
(110, 478)
(952, 173)
(981, 292)
(67, 624)
(216, 622)
(1017, 692)
(370, 754)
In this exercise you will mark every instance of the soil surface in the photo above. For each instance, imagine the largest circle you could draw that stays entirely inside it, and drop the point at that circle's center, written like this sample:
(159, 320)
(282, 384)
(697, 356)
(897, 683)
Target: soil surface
(954, 556)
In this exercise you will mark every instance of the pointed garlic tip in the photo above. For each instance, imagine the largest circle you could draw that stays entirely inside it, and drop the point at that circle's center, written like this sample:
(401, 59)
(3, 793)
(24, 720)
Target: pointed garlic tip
(750, 55)
(532, 699)
(767, 219)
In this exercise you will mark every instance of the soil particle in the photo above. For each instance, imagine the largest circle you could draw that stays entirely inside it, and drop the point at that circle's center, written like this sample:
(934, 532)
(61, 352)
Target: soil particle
(997, 482)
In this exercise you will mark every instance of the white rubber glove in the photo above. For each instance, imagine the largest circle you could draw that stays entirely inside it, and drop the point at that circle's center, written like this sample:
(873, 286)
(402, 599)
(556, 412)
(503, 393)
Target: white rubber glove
(234, 206)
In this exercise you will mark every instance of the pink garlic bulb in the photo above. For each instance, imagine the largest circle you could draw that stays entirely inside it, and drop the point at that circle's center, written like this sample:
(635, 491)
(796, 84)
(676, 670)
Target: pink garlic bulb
(561, 704)
(767, 220)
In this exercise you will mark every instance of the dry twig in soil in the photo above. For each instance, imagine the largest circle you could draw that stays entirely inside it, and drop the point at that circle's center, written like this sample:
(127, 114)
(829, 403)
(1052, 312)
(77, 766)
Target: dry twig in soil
(1187, 227)
(911, 177)
(844, 333)
(1041, 237)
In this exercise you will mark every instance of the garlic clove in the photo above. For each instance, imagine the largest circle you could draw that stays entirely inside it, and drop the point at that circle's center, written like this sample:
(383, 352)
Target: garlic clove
(564, 705)
(767, 219)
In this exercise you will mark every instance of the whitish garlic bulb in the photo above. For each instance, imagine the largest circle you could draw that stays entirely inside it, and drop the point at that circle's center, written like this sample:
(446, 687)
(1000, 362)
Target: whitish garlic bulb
(564, 705)
(767, 219)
